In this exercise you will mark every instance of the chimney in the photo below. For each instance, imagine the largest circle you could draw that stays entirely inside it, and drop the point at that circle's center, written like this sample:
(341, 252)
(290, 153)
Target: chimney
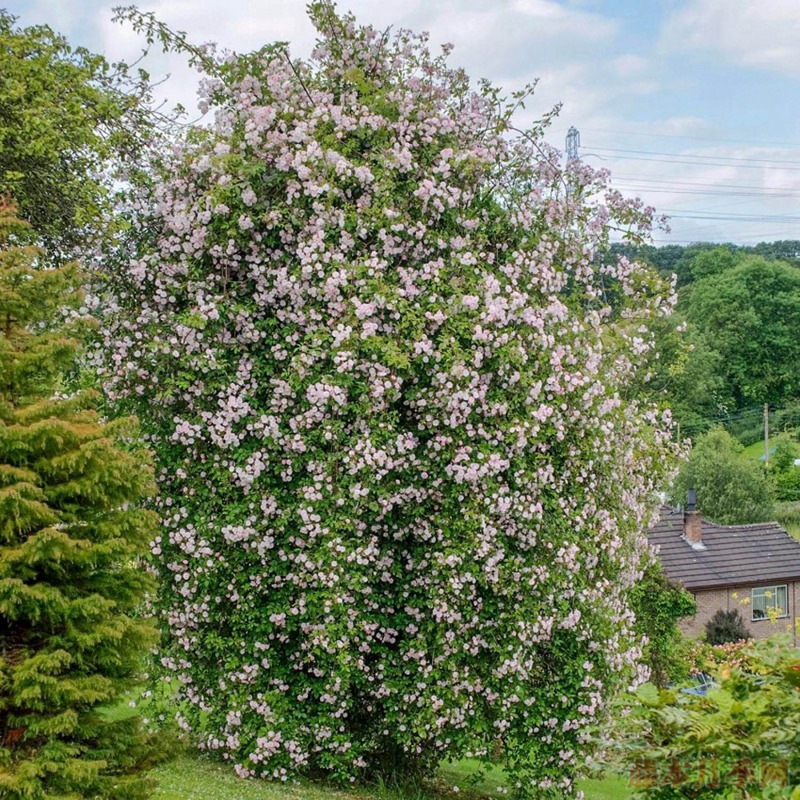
(693, 522)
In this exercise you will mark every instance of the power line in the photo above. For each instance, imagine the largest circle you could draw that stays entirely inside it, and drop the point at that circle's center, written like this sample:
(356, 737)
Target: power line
(710, 193)
(702, 163)
(695, 138)
(746, 415)
(756, 195)
(692, 155)
(731, 216)
(674, 182)
(753, 238)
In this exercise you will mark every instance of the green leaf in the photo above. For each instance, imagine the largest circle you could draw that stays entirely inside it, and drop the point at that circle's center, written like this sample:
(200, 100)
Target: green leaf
(649, 694)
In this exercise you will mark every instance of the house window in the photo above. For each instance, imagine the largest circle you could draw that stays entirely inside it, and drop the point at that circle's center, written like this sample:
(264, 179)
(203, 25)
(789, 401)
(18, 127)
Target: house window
(768, 600)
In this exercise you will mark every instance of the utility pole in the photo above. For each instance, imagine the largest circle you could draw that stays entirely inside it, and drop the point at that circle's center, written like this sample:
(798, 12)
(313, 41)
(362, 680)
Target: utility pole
(573, 143)
(766, 434)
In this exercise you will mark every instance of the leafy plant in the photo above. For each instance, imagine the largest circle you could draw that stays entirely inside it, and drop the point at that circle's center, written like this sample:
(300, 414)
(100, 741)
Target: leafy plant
(740, 739)
(726, 627)
(658, 606)
(731, 488)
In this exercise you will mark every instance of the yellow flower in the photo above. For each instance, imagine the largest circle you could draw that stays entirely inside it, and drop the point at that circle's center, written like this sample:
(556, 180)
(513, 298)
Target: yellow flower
(774, 614)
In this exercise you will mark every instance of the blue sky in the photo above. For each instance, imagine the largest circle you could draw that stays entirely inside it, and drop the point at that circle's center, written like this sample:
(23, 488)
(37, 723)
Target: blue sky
(692, 104)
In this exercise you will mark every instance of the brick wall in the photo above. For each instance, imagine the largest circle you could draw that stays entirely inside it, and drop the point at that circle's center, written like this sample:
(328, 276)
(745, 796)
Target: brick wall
(708, 603)
(711, 601)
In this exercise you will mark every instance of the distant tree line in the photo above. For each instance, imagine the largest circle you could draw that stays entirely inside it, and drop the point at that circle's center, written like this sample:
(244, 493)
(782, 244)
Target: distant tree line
(732, 344)
(678, 259)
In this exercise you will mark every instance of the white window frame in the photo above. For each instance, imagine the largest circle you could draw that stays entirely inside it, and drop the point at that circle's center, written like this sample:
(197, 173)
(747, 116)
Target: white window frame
(769, 602)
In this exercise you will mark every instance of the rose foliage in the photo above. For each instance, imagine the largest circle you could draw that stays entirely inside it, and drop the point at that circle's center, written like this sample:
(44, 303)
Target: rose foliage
(403, 482)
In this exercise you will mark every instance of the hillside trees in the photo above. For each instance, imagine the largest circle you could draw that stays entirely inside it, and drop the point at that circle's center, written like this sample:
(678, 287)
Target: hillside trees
(787, 250)
(731, 345)
(751, 312)
(70, 534)
(686, 375)
(402, 494)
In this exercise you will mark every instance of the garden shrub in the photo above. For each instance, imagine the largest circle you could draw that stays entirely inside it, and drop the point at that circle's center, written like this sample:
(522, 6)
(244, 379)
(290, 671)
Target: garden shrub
(726, 627)
(659, 605)
(403, 484)
(739, 740)
(703, 657)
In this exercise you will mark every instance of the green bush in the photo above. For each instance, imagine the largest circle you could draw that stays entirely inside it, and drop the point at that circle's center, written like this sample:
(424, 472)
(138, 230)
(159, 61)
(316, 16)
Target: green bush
(785, 475)
(787, 487)
(658, 606)
(739, 740)
(789, 518)
(726, 627)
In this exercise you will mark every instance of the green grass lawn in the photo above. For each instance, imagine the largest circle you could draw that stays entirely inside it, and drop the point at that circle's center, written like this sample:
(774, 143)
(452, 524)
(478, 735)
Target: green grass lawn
(787, 514)
(756, 450)
(189, 778)
(611, 788)
(192, 778)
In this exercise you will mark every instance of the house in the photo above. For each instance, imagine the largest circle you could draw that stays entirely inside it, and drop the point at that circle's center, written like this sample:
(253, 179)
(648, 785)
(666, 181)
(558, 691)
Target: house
(752, 568)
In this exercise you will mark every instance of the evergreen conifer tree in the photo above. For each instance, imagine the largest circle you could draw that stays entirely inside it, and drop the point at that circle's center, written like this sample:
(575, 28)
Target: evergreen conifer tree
(71, 529)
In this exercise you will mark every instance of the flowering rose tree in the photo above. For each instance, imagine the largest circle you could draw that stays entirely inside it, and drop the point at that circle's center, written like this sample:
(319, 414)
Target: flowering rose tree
(387, 377)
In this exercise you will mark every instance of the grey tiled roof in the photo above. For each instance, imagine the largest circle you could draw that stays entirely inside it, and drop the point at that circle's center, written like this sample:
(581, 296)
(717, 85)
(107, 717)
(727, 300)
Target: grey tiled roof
(735, 555)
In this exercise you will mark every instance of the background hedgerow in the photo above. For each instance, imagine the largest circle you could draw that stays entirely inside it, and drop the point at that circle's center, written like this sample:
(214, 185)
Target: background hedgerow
(387, 375)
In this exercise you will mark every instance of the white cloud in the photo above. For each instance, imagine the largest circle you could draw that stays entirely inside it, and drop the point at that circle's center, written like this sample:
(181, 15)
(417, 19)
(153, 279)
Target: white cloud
(520, 39)
(558, 18)
(629, 66)
(753, 33)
